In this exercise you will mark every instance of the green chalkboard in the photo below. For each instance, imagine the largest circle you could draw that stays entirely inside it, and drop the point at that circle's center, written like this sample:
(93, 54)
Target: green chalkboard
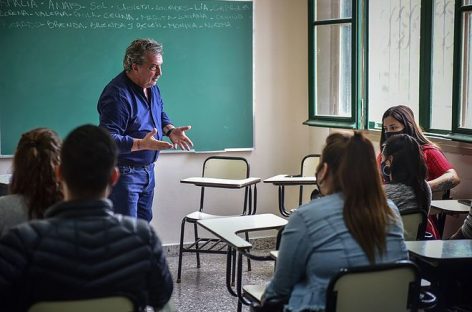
(57, 56)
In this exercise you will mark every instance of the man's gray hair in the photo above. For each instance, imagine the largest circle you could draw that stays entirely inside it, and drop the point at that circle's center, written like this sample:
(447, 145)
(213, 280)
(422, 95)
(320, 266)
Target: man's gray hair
(137, 50)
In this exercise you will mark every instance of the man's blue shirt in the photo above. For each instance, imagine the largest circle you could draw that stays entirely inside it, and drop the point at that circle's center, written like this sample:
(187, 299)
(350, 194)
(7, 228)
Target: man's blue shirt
(126, 113)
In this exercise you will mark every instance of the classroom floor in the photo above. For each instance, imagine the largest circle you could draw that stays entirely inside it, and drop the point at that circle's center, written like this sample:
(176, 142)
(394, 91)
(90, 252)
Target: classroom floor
(204, 289)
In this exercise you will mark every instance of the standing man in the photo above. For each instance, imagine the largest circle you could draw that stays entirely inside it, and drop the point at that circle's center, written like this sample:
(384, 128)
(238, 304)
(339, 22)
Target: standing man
(131, 109)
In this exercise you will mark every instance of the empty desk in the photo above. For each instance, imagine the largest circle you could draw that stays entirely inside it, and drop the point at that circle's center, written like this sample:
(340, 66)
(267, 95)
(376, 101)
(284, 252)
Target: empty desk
(443, 208)
(283, 180)
(231, 184)
(227, 228)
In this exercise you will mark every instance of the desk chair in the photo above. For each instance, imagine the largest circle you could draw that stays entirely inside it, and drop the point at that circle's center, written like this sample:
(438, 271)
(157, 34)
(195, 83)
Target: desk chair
(106, 304)
(223, 167)
(386, 287)
(308, 168)
(414, 228)
(389, 287)
(414, 224)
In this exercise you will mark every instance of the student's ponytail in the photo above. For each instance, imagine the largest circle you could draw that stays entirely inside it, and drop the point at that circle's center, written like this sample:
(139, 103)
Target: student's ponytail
(366, 212)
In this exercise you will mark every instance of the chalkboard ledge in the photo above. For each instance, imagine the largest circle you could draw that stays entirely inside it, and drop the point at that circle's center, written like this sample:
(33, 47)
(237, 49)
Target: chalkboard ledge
(246, 149)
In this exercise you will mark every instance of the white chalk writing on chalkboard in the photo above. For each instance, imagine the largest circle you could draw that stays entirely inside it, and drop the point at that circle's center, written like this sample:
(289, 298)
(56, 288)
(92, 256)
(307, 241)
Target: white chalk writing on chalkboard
(55, 15)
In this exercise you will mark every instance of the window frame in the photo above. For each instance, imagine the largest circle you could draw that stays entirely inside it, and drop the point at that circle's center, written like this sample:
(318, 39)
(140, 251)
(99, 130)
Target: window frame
(333, 121)
(457, 77)
(360, 103)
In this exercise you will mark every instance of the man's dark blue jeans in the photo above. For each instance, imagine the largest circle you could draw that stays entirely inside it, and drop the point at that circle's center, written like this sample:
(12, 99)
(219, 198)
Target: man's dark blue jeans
(134, 192)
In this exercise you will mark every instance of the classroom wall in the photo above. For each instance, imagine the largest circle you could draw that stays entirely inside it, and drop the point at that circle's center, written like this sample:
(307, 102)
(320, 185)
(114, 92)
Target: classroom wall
(280, 107)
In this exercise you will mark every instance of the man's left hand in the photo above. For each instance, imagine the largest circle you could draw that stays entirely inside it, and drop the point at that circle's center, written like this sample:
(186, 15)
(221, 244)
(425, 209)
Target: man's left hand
(180, 139)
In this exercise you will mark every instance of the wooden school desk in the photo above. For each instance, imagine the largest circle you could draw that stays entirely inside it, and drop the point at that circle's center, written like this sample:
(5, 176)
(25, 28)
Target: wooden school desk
(283, 180)
(227, 228)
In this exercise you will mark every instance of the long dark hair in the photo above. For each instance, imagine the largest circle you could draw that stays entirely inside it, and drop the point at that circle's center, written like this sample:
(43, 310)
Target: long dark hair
(36, 156)
(405, 116)
(408, 166)
(354, 168)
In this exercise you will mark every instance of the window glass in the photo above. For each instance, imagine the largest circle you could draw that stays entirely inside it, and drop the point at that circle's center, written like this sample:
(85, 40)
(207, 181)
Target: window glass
(394, 49)
(333, 70)
(442, 64)
(332, 9)
(465, 120)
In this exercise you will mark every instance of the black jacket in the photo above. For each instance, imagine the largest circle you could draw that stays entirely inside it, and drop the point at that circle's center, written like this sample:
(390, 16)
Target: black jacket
(82, 250)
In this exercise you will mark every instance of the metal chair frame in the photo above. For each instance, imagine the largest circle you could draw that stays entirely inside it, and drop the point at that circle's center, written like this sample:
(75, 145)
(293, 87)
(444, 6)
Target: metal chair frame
(214, 245)
(303, 173)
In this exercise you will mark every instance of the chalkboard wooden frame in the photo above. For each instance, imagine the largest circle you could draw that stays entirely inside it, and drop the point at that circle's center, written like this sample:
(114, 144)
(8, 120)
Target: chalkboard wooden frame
(57, 56)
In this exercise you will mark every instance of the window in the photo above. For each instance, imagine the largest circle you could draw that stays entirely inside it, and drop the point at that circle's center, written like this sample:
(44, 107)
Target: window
(442, 64)
(333, 37)
(366, 56)
(394, 62)
(463, 121)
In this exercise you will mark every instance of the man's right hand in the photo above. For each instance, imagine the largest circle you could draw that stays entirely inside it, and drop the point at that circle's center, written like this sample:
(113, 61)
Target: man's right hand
(150, 143)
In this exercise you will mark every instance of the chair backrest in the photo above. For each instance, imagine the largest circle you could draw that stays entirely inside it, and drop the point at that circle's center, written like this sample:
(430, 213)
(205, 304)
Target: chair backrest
(386, 287)
(414, 224)
(308, 168)
(106, 304)
(225, 167)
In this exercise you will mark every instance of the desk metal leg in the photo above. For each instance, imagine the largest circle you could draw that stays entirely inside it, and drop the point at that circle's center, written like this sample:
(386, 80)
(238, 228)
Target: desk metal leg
(441, 223)
(282, 210)
(233, 272)
(229, 271)
(239, 282)
(246, 196)
(255, 200)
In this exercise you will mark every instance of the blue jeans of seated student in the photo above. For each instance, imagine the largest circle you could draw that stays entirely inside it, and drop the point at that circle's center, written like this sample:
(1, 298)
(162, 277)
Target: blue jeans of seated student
(134, 192)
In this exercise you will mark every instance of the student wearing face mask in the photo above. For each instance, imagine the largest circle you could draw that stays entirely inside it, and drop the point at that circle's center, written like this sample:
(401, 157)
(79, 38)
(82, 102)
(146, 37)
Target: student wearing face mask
(441, 176)
(404, 171)
(400, 119)
(352, 224)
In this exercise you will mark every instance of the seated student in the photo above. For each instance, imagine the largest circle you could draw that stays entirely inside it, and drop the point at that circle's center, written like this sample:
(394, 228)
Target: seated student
(352, 224)
(33, 186)
(404, 171)
(400, 119)
(441, 175)
(82, 249)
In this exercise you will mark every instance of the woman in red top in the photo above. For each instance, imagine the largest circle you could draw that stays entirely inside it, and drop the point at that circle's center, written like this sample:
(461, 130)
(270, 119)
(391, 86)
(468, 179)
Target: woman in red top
(400, 119)
(441, 175)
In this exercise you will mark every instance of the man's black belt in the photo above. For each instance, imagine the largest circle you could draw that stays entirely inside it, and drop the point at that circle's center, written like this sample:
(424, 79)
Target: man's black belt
(135, 166)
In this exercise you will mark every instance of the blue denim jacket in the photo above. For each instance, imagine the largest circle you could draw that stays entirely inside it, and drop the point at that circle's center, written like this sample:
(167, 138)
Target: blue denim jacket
(315, 245)
(126, 114)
